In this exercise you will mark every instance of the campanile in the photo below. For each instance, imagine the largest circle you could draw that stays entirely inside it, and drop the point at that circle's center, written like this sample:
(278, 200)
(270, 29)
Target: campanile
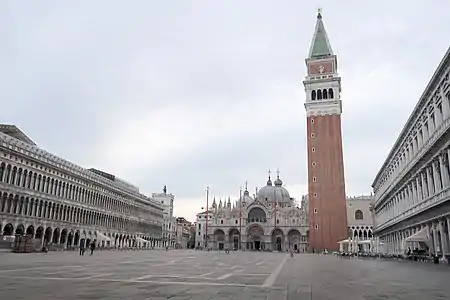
(326, 182)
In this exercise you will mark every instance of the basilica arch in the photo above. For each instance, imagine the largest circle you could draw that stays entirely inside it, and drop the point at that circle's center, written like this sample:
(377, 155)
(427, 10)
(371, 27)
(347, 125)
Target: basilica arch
(255, 238)
(218, 241)
(295, 241)
(257, 214)
(278, 242)
(234, 239)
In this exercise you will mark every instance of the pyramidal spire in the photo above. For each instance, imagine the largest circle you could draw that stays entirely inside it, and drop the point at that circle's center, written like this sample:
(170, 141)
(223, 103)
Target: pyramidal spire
(320, 45)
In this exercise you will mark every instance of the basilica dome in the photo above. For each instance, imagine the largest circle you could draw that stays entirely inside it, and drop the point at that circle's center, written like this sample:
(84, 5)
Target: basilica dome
(246, 198)
(271, 192)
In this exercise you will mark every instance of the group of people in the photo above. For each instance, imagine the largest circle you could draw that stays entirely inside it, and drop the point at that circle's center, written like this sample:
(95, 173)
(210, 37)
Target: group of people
(91, 247)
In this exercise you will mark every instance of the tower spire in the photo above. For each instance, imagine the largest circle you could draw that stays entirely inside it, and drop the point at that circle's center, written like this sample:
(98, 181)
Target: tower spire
(320, 45)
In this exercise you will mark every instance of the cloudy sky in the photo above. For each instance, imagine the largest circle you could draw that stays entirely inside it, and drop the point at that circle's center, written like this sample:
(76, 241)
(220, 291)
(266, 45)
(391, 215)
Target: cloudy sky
(197, 93)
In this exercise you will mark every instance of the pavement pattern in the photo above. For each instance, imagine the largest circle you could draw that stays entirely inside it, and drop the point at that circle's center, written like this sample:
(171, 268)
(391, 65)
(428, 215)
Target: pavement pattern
(198, 275)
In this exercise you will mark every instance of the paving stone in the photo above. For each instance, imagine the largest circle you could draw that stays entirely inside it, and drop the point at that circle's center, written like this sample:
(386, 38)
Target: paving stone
(179, 275)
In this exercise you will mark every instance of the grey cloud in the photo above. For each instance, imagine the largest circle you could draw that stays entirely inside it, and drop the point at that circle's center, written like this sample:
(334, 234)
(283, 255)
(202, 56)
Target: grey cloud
(70, 71)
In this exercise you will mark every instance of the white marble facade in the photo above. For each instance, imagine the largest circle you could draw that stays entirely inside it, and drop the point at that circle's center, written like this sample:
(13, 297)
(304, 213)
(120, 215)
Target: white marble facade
(64, 205)
(360, 225)
(256, 223)
(412, 189)
(169, 227)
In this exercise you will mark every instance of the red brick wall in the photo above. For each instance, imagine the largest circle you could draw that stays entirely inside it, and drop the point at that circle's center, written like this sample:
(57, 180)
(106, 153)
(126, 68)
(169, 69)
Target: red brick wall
(330, 202)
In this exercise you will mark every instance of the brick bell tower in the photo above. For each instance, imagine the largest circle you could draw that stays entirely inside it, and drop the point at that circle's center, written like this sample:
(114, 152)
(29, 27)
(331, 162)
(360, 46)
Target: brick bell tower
(326, 182)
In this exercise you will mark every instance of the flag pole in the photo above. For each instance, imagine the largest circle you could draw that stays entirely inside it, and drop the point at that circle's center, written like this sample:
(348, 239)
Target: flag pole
(207, 214)
(240, 217)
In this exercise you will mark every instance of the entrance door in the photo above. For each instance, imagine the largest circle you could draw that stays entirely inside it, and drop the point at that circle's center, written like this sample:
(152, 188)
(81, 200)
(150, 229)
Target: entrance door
(220, 246)
(295, 247)
(236, 243)
(257, 245)
(278, 244)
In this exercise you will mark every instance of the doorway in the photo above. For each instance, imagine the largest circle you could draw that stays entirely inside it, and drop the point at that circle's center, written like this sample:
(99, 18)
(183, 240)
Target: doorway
(257, 245)
(278, 244)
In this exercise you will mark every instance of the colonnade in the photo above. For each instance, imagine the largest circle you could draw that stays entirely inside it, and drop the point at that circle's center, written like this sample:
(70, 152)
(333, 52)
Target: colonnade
(437, 232)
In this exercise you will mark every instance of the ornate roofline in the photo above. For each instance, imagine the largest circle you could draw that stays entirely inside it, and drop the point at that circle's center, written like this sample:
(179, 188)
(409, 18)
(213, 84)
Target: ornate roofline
(434, 81)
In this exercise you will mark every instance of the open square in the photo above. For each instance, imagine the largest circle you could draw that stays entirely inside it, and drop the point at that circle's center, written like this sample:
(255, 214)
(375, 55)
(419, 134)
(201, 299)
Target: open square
(201, 275)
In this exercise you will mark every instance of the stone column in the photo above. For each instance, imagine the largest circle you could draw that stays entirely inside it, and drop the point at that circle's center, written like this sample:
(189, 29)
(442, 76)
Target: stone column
(444, 173)
(419, 188)
(437, 187)
(430, 182)
(444, 238)
(431, 127)
(424, 185)
(419, 140)
(437, 116)
(445, 107)
(425, 133)
(414, 192)
(435, 239)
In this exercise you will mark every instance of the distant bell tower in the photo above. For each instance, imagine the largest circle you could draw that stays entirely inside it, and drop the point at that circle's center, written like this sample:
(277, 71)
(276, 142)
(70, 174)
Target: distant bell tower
(326, 182)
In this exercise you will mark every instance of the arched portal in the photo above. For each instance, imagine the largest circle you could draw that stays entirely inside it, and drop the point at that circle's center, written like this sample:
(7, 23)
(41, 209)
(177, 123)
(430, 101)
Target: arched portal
(77, 238)
(56, 235)
(39, 233)
(257, 214)
(219, 239)
(20, 230)
(48, 235)
(234, 239)
(294, 240)
(8, 229)
(70, 239)
(255, 238)
(278, 240)
(30, 231)
(63, 238)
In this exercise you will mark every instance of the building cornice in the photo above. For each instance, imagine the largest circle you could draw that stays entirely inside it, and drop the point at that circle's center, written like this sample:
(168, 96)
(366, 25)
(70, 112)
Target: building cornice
(432, 84)
(37, 155)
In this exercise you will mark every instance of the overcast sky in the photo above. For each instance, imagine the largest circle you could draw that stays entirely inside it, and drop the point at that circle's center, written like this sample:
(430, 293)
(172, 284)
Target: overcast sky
(197, 93)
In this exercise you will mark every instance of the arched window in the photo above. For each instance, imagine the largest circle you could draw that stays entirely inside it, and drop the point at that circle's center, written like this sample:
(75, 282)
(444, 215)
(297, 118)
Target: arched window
(359, 215)
(313, 95)
(319, 94)
(325, 94)
(330, 93)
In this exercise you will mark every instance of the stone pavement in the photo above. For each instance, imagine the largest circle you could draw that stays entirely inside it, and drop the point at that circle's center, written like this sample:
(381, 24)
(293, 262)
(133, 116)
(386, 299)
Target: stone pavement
(183, 274)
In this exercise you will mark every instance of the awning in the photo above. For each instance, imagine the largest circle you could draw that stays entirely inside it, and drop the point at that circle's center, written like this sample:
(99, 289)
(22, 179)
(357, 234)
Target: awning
(138, 239)
(365, 242)
(420, 236)
(102, 237)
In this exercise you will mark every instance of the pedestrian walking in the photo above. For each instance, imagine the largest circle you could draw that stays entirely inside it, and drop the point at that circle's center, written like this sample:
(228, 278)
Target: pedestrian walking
(82, 248)
(92, 247)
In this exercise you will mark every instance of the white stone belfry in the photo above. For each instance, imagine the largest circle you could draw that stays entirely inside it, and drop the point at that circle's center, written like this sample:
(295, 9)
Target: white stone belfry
(322, 82)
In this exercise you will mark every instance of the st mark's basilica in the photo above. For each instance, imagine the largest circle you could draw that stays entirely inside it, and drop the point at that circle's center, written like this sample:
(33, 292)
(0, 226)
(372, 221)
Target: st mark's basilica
(268, 220)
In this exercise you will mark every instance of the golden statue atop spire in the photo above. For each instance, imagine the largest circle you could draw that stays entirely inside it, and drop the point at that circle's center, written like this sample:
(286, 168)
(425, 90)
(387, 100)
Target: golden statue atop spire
(319, 13)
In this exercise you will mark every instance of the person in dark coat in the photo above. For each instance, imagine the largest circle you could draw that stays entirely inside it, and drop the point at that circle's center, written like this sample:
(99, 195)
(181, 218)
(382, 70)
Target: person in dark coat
(82, 248)
(92, 247)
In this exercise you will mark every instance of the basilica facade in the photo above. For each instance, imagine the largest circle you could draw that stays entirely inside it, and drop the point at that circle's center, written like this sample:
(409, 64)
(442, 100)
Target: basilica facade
(268, 220)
